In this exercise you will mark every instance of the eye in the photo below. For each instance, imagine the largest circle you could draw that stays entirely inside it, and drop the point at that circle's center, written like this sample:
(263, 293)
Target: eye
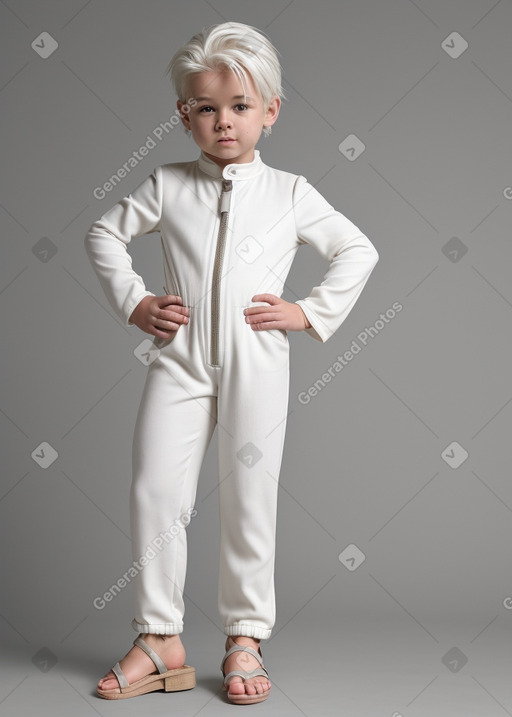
(207, 109)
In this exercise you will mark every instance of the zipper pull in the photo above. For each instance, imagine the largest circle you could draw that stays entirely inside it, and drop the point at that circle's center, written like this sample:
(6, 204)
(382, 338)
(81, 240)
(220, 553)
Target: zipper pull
(225, 197)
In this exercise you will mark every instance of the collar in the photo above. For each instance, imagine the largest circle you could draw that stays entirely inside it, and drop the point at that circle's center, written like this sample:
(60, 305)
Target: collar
(234, 171)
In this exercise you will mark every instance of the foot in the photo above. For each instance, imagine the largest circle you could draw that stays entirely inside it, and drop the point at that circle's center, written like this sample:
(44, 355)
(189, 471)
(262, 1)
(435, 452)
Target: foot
(246, 662)
(136, 664)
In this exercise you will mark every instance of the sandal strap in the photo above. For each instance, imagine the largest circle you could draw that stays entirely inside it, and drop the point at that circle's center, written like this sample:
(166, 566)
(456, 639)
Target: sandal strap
(241, 648)
(159, 663)
(245, 675)
(121, 678)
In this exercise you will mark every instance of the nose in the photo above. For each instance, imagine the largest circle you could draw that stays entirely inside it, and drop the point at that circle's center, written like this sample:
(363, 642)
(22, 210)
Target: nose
(224, 121)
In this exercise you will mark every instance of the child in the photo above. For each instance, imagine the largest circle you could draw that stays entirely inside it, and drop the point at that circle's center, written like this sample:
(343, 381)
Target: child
(230, 227)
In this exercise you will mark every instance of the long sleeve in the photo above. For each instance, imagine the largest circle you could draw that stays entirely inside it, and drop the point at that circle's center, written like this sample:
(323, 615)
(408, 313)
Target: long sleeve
(105, 243)
(351, 254)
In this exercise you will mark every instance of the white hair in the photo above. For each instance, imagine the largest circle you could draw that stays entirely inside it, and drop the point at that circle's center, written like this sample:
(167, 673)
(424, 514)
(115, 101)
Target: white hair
(233, 45)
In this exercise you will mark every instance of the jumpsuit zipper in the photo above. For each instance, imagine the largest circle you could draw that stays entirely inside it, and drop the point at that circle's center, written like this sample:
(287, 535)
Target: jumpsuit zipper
(227, 186)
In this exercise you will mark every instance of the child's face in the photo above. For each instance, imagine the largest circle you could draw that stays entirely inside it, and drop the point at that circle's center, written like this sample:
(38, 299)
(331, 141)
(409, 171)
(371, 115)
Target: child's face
(223, 113)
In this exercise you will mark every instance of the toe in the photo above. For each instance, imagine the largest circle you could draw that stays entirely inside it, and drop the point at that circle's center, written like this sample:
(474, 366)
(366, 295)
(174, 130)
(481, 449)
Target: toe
(104, 679)
(250, 687)
(109, 682)
(236, 686)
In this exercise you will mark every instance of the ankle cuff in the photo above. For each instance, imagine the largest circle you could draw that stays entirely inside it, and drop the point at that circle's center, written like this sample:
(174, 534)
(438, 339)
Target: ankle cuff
(166, 628)
(248, 630)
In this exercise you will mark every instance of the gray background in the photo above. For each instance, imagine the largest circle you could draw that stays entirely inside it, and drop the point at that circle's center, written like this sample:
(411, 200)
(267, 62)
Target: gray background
(365, 461)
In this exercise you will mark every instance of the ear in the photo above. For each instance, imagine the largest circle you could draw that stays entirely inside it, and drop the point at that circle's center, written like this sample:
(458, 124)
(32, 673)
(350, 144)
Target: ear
(183, 111)
(272, 112)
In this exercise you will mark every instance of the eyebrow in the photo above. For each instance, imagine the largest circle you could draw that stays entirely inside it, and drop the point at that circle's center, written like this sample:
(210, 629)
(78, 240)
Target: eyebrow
(236, 97)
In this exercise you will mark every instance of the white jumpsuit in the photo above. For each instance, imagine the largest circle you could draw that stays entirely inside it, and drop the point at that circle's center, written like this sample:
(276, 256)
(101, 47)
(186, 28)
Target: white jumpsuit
(227, 234)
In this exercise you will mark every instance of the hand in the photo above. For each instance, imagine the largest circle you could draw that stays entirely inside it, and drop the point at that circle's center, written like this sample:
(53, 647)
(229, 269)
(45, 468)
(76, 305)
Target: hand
(160, 315)
(280, 314)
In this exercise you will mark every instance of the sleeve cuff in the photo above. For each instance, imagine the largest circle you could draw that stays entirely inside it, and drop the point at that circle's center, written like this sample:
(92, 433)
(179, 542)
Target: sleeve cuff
(313, 331)
(134, 305)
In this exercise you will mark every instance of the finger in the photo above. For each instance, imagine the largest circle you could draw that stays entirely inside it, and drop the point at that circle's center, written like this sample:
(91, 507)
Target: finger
(256, 310)
(178, 314)
(164, 333)
(176, 309)
(166, 326)
(262, 315)
(170, 299)
(265, 325)
(172, 323)
(269, 298)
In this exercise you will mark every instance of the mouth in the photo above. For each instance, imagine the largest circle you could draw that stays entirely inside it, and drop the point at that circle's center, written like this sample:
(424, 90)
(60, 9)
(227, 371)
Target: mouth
(226, 140)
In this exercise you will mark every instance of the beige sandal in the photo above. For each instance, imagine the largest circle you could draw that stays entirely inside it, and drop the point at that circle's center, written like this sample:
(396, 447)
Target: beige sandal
(182, 678)
(244, 699)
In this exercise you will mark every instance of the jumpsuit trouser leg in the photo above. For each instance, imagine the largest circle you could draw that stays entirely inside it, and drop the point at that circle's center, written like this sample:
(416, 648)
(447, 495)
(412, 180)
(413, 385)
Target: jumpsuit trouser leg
(174, 425)
(183, 399)
(252, 414)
